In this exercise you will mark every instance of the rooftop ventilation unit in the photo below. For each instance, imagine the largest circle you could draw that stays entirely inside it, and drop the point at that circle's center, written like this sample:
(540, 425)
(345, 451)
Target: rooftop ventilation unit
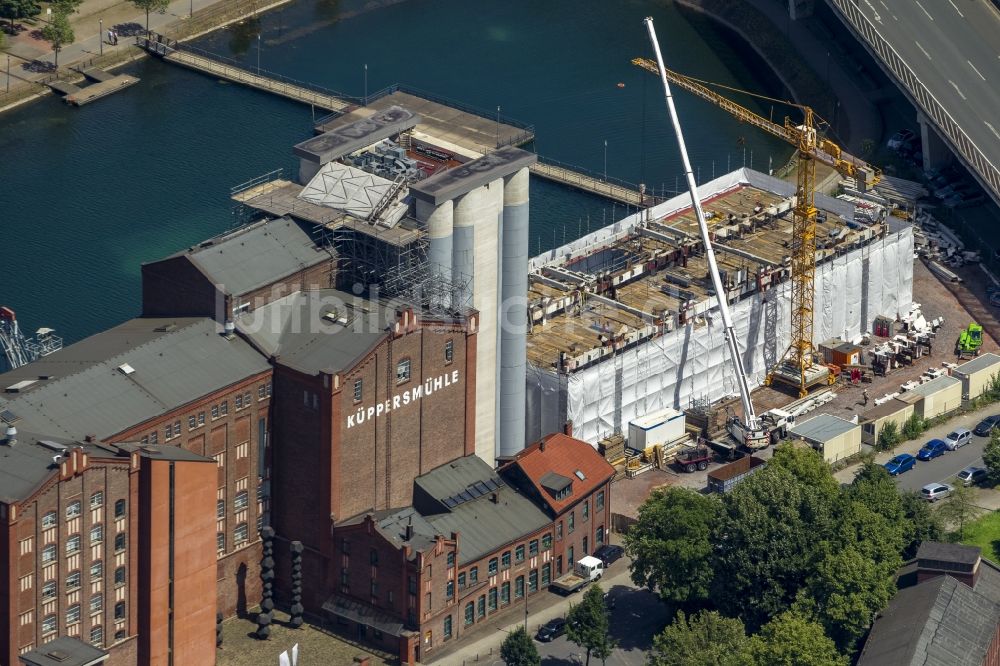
(126, 369)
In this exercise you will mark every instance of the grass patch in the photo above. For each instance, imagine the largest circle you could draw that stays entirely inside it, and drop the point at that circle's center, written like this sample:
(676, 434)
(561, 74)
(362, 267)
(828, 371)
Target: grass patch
(985, 533)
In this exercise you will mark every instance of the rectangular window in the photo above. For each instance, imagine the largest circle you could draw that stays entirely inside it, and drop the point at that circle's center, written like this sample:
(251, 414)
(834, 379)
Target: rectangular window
(220, 508)
(470, 611)
(451, 559)
(357, 390)
(412, 585)
(600, 535)
(447, 627)
(96, 534)
(215, 411)
(403, 371)
(73, 509)
(493, 566)
(120, 610)
(119, 508)
(201, 418)
(374, 588)
(119, 542)
(461, 581)
(97, 636)
(519, 587)
(449, 351)
(474, 575)
(492, 599)
(505, 593)
(449, 589)
(49, 589)
(519, 554)
(586, 510)
(571, 521)
(241, 534)
(220, 542)
(73, 580)
(73, 544)
(119, 576)
(49, 553)
(533, 547)
(546, 574)
(50, 520)
(97, 500)
(242, 500)
(154, 438)
(559, 531)
(481, 606)
(49, 624)
(533, 580)
(599, 502)
(96, 571)
(239, 402)
(192, 423)
(505, 559)
(96, 603)
(224, 407)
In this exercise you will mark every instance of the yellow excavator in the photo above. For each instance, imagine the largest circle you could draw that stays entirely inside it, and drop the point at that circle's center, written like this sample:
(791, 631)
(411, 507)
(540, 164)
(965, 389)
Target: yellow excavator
(797, 366)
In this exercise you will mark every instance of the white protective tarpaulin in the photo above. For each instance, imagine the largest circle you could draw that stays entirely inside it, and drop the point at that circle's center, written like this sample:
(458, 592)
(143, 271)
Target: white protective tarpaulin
(691, 362)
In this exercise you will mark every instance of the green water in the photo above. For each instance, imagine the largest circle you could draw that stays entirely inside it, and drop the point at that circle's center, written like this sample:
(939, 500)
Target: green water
(87, 195)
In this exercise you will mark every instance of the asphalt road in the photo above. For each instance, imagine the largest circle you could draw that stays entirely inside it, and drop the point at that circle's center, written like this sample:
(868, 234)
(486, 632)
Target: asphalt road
(637, 616)
(944, 468)
(953, 46)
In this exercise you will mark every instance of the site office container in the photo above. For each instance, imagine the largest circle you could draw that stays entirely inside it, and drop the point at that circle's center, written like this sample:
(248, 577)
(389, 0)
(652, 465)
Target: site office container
(976, 375)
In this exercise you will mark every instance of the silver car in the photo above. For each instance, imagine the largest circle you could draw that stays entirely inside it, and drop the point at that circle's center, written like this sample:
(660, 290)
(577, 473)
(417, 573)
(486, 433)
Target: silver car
(970, 476)
(932, 492)
(958, 438)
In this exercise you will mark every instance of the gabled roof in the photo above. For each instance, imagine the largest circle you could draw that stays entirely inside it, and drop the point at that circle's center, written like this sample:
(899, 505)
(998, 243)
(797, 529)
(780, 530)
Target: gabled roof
(565, 456)
(256, 255)
(126, 375)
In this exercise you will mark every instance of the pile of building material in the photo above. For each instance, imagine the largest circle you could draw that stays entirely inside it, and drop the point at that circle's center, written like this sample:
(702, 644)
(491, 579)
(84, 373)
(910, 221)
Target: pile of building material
(940, 247)
(613, 448)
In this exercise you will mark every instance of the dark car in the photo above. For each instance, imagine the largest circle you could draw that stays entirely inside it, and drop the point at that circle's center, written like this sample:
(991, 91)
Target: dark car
(932, 449)
(609, 553)
(551, 630)
(986, 425)
(900, 464)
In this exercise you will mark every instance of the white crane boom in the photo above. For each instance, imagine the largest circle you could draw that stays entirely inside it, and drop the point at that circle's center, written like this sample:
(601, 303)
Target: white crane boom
(751, 431)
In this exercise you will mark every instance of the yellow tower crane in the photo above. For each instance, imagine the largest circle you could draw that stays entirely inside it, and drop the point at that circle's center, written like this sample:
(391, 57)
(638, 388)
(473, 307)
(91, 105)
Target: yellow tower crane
(796, 366)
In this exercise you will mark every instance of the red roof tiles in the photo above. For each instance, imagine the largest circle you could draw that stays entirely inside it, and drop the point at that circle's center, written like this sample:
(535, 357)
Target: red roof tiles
(564, 455)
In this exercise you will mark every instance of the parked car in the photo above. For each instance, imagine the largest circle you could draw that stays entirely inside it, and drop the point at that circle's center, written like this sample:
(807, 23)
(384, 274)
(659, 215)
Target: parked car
(901, 463)
(551, 630)
(609, 553)
(958, 438)
(970, 476)
(932, 492)
(900, 139)
(985, 427)
(932, 449)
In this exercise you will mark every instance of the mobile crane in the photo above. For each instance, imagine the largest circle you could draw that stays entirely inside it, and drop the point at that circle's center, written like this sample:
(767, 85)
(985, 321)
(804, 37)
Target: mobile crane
(750, 431)
(796, 367)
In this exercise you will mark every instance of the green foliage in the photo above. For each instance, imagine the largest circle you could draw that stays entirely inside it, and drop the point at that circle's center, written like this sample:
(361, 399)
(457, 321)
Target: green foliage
(519, 650)
(58, 32)
(992, 392)
(587, 624)
(888, 437)
(18, 9)
(705, 639)
(151, 6)
(670, 545)
(66, 6)
(985, 533)
(791, 639)
(913, 427)
(922, 523)
(991, 456)
(959, 509)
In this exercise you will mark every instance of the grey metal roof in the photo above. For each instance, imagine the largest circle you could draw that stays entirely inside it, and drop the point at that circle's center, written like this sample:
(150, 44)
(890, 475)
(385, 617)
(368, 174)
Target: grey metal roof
(392, 525)
(980, 363)
(64, 651)
(823, 428)
(483, 525)
(356, 135)
(323, 330)
(941, 622)
(363, 614)
(887, 408)
(934, 386)
(255, 256)
(949, 552)
(26, 464)
(447, 185)
(173, 362)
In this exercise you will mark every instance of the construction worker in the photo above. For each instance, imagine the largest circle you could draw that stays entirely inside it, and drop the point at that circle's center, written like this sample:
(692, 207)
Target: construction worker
(865, 396)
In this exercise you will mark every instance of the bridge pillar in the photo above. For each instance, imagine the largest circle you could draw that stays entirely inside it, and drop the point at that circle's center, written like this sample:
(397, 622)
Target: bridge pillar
(798, 9)
(935, 151)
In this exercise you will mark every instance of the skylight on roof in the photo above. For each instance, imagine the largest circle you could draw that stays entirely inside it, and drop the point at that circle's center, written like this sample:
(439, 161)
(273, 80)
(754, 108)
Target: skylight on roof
(126, 369)
(580, 475)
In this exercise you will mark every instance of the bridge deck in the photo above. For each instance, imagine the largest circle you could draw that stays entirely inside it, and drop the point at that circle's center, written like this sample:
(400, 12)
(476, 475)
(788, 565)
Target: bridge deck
(591, 184)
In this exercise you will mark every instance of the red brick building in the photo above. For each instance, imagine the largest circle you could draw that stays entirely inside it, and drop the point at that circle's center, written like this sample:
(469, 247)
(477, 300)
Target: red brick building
(474, 543)
(78, 523)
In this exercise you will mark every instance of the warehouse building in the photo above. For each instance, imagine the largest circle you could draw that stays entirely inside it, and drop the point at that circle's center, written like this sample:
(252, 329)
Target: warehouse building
(892, 411)
(977, 375)
(474, 543)
(942, 395)
(833, 437)
(621, 321)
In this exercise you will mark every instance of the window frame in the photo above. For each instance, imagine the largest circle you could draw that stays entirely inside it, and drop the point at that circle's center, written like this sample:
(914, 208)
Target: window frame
(359, 390)
(74, 509)
(99, 527)
(404, 370)
(50, 520)
(97, 499)
(121, 503)
(449, 351)
(99, 564)
(236, 534)
(470, 614)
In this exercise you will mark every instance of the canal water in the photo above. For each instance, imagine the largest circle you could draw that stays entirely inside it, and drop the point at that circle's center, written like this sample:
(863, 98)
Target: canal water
(87, 195)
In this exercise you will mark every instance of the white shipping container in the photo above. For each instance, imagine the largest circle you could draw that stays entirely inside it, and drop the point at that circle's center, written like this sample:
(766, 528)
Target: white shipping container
(659, 427)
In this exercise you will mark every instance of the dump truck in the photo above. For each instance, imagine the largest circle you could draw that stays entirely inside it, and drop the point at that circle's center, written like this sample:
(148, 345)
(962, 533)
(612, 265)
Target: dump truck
(970, 341)
(586, 571)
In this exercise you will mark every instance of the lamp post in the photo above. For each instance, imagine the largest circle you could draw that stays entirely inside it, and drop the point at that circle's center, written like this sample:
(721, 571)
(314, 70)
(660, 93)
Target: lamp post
(498, 125)
(258, 54)
(100, 34)
(605, 160)
(191, 9)
(366, 84)
(8, 73)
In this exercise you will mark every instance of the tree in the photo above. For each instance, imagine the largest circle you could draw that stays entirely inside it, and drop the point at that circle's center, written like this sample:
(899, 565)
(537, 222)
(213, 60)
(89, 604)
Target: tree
(66, 6)
(705, 639)
(519, 650)
(151, 6)
(670, 545)
(888, 437)
(58, 32)
(959, 509)
(924, 523)
(791, 639)
(991, 456)
(587, 624)
(914, 426)
(18, 9)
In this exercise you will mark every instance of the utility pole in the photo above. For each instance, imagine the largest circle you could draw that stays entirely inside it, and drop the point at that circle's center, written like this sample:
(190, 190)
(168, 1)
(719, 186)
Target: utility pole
(100, 35)
(366, 84)
(605, 160)
(258, 54)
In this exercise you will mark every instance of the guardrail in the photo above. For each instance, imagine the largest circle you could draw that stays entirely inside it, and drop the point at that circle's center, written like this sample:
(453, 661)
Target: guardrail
(919, 92)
